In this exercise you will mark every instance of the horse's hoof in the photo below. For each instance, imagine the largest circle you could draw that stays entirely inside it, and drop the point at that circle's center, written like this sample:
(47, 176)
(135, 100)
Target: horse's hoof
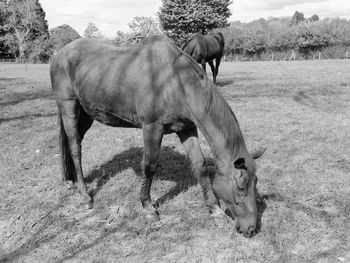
(220, 222)
(152, 216)
(220, 218)
(87, 205)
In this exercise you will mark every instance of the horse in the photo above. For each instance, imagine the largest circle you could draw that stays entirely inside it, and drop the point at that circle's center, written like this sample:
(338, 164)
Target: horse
(160, 89)
(206, 48)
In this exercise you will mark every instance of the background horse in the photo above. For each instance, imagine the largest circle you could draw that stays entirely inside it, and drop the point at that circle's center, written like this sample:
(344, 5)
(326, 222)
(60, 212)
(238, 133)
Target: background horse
(206, 48)
(156, 87)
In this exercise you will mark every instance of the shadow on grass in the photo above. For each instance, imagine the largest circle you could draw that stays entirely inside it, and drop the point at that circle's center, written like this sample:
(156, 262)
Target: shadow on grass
(337, 224)
(27, 116)
(10, 79)
(224, 82)
(173, 166)
(18, 97)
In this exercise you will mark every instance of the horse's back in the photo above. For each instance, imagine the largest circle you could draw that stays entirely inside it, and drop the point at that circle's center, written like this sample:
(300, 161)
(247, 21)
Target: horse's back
(214, 45)
(207, 47)
(133, 84)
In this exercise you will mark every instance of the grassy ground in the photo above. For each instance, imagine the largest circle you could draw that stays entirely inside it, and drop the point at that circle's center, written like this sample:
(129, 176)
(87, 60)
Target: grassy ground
(298, 110)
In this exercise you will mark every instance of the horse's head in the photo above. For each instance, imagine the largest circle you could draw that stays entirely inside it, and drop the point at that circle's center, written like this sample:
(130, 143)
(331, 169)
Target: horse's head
(236, 186)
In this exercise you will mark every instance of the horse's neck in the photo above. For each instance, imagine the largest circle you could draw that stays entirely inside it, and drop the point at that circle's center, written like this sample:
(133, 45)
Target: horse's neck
(217, 123)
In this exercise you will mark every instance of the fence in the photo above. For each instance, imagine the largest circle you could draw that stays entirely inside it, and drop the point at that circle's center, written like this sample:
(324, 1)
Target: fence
(7, 60)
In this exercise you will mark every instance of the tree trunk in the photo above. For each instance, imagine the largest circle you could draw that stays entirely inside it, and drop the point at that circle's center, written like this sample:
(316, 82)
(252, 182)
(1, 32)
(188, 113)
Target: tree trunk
(292, 57)
(20, 35)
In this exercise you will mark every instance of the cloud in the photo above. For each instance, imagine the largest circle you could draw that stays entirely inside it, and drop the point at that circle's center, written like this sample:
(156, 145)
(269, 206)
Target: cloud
(280, 4)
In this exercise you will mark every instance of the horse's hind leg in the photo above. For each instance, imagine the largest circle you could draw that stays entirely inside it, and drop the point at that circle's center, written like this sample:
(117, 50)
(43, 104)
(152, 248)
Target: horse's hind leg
(76, 122)
(211, 64)
(152, 136)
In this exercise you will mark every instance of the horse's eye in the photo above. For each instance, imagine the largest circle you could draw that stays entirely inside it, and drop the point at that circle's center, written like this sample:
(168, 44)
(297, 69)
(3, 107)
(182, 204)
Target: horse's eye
(241, 188)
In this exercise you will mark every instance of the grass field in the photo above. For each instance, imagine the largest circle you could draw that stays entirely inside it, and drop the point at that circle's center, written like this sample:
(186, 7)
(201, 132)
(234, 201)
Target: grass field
(299, 111)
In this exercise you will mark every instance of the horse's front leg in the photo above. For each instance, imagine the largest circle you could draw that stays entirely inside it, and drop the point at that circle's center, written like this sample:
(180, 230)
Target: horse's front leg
(203, 64)
(217, 64)
(189, 140)
(152, 136)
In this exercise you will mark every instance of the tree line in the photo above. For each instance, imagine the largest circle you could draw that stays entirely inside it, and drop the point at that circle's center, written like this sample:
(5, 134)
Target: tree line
(24, 32)
(288, 38)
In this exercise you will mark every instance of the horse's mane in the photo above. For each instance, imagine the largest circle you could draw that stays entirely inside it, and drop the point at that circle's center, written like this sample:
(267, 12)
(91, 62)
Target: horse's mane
(222, 117)
(218, 109)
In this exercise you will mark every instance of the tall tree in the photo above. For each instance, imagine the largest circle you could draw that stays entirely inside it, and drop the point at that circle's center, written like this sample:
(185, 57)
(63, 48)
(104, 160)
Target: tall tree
(182, 18)
(92, 31)
(38, 40)
(4, 49)
(25, 23)
(62, 35)
(297, 18)
(314, 18)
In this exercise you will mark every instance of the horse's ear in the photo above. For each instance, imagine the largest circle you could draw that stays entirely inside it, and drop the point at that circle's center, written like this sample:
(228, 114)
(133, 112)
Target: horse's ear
(257, 154)
(240, 163)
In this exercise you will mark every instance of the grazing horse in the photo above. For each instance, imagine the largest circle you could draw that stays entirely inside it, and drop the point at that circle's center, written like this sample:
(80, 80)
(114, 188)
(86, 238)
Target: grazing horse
(156, 87)
(206, 48)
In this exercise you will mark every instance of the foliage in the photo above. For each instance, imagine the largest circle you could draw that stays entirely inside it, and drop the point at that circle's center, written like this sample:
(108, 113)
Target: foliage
(182, 18)
(282, 35)
(4, 48)
(25, 23)
(297, 18)
(140, 27)
(62, 35)
(92, 31)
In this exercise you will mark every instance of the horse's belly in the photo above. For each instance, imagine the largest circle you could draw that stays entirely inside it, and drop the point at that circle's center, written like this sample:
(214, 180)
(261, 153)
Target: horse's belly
(112, 118)
(178, 126)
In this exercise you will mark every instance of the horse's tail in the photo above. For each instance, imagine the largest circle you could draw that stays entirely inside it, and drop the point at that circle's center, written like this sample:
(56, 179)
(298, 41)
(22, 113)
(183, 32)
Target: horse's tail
(68, 168)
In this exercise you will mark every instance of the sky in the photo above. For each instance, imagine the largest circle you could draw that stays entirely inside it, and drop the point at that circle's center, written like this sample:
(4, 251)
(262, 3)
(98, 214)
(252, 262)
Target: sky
(113, 15)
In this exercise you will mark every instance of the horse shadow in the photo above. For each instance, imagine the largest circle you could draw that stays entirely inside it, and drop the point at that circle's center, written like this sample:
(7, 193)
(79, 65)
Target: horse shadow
(173, 166)
(222, 82)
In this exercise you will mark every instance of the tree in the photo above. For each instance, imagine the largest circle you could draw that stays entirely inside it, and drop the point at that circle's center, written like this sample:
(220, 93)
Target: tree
(62, 35)
(281, 37)
(144, 25)
(297, 18)
(4, 48)
(310, 38)
(92, 31)
(183, 18)
(122, 39)
(141, 27)
(25, 23)
(39, 48)
(314, 18)
(255, 39)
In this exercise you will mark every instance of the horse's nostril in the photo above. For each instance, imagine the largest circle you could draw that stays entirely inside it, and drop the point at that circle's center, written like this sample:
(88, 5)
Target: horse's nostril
(251, 230)
(239, 230)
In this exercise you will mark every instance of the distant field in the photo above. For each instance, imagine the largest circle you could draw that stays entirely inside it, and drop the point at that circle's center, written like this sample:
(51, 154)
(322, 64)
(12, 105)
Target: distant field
(299, 111)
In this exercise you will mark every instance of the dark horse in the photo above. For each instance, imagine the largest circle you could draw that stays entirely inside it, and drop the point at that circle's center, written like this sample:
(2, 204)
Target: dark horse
(206, 48)
(156, 87)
